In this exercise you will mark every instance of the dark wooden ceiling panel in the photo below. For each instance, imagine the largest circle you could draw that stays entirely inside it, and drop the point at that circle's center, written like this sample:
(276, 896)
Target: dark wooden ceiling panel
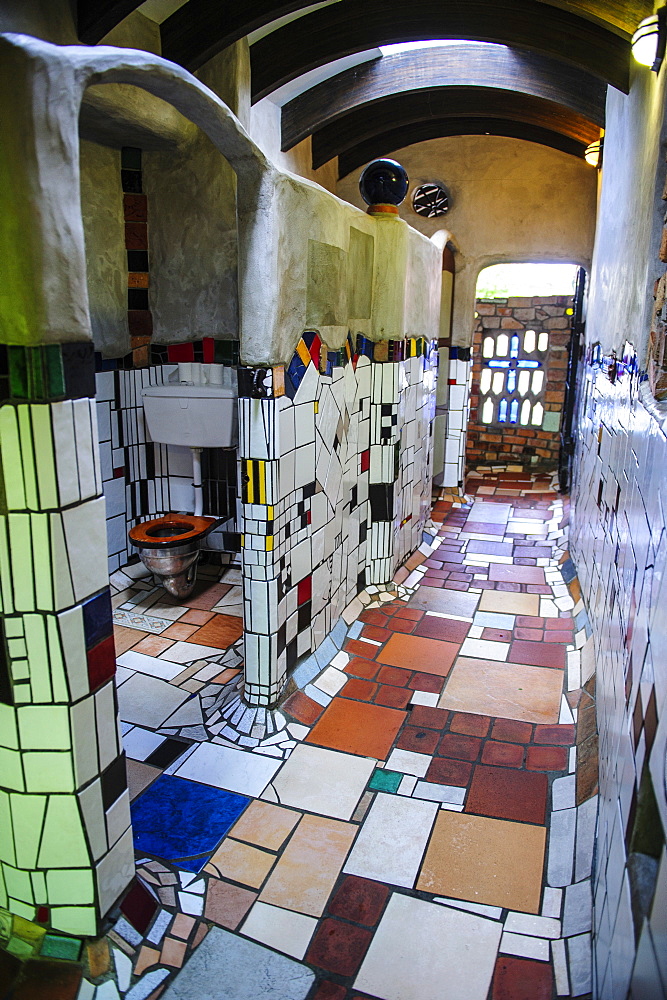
(465, 65)
(95, 18)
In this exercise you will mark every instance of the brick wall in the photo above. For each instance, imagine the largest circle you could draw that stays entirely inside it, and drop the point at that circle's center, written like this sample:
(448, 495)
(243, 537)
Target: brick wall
(530, 446)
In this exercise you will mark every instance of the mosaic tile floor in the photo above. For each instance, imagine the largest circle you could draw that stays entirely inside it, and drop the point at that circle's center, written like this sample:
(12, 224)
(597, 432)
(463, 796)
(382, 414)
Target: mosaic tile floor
(413, 814)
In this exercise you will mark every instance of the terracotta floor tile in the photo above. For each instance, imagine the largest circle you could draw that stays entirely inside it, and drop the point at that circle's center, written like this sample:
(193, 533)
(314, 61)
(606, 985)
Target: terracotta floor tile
(562, 736)
(521, 979)
(153, 645)
(227, 904)
(375, 633)
(530, 621)
(356, 727)
(309, 867)
(558, 636)
(530, 634)
(509, 690)
(224, 676)
(543, 654)
(405, 625)
(506, 793)
(360, 900)
(193, 617)
(359, 666)
(417, 653)
(432, 718)
(546, 758)
(470, 725)
(126, 638)
(265, 825)
(459, 747)
(484, 528)
(221, 631)
(430, 683)
(241, 863)
(509, 604)
(511, 731)
(393, 675)
(338, 947)
(419, 740)
(206, 595)
(302, 708)
(359, 689)
(442, 628)
(326, 990)
(372, 616)
(182, 926)
(475, 858)
(516, 574)
(411, 614)
(445, 771)
(444, 602)
(179, 630)
(393, 697)
(357, 647)
(173, 952)
(503, 754)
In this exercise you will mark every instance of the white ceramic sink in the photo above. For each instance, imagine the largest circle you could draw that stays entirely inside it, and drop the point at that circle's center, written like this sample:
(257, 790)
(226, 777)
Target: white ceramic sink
(194, 416)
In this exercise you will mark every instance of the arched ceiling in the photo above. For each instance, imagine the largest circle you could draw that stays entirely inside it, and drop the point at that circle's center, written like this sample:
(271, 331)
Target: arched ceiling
(439, 72)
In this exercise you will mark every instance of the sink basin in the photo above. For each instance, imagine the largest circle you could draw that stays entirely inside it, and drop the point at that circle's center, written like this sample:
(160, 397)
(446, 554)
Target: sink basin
(194, 416)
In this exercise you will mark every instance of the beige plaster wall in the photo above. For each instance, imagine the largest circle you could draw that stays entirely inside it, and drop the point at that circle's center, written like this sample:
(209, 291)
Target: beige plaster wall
(511, 201)
(264, 128)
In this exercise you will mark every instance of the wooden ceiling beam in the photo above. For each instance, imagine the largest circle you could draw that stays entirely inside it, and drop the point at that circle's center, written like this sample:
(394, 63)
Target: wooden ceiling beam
(96, 18)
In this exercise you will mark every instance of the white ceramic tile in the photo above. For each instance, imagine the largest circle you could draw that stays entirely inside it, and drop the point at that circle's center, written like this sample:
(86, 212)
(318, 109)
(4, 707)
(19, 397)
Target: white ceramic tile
(561, 847)
(493, 912)
(140, 743)
(492, 513)
(525, 947)
(226, 767)
(439, 793)
(187, 652)
(552, 901)
(560, 968)
(528, 923)
(148, 701)
(392, 840)
(578, 910)
(331, 680)
(485, 649)
(425, 698)
(322, 781)
(281, 929)
(408, 762)
(151, 665)
(420, 946)
(563, 792)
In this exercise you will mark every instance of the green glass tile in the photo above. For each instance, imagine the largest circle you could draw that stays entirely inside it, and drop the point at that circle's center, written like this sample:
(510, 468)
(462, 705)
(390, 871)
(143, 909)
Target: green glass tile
(67, 948)
(36, 380)
(63, 841)
(130, 158)
(44, 456)
(38, 657)
(16, 648)
(22, 691)
(7, 602)
(55, 376)
(6, 836)
(385, 781)
(28, 818)
(63, 594)
(48, 772)
(20, 547)
(38, 880)
(18, 372)
(57, 667)
(18, 885)
(4, 388)
(8, 730)
(20, 670)
(551, 421)
(44, 727)
(42, 567)
(13, 627)
(20, 909)
(70, 886)
(11, 772)
(12, 463)
(75, 920)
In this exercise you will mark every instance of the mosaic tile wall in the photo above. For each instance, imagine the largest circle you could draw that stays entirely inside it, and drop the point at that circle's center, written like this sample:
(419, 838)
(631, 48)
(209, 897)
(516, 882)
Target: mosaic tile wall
(537, 447)
(65, 840)
(619, 542)
(336, 470)
(452, 413)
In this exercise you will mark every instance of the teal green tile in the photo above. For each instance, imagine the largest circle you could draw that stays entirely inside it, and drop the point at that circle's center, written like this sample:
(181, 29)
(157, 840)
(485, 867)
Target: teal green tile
(55, 946)
(55, 376)
(18, 372)
(36, 380)
(385, 781)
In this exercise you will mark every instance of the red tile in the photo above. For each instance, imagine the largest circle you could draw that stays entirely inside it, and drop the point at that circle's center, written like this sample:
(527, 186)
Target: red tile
(401, 625)
(419, 740)
(338, 947)
(558, 636)
(497, 634)
(221, 631)
(516, 574)
(393, 697)
(430, 683)
(529, 634)
(537, 654)
(461, 747)
(302, 708)
(411, 614)
(444, 771)
(394, 675)
(360, 900)
(442, 628)
(528, 621)
(139, 906)
(357, 647)
(356, 727)
(546, 758)
(372, 616)
(359, 689)
(504, 754)
(558, 624)
(361, 667)
(562, 736)
(521, 979)
(506, 793)
(327, 990)
(375, 633)
(431, 718)
(512, 731)
(470, 725)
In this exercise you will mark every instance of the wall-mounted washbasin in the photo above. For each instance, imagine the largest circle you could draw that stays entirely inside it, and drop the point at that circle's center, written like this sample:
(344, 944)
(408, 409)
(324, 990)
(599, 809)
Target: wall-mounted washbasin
(193, 416)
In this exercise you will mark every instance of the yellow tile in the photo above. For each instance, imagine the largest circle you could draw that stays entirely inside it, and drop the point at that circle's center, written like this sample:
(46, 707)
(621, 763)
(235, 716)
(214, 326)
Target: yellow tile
(241, 863)
(484, 860)
(505, 690)
(265, 825)
(309, 866)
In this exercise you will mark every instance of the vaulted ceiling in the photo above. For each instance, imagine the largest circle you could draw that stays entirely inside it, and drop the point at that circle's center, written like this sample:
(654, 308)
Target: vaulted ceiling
(544, 79)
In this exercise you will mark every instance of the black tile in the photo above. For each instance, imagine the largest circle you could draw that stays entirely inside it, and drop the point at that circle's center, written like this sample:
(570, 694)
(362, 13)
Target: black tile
(304, 615)
(137, 298)
(114, 781)
(131, 181)
(79, 368)
(291, 655)
(130, 158)
(137, 260)
(167, 752)
(381, 496)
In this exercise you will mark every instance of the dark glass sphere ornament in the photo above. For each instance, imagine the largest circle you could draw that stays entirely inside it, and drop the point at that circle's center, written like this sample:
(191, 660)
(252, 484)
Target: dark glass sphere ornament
(383, 182)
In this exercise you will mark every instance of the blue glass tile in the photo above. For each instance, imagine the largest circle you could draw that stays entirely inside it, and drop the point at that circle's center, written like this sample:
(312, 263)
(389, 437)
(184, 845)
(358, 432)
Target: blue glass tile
(514, 411)
(97, 618)
(177, 819)
(514, 346)
(502, 411)
(511, 381)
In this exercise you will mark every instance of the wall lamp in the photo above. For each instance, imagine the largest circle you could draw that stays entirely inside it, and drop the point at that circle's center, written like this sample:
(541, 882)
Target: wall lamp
(648, 41)
(593, 152)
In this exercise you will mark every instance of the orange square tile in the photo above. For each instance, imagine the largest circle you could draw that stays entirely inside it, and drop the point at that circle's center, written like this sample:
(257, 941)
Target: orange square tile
(153, 645)
(265, 825)
(125, 638)
(415, 652)
(242, 863)
(182, 926)
(173, 952)
(221, 631)
(356, 727)
(179, 630)
(194, 617)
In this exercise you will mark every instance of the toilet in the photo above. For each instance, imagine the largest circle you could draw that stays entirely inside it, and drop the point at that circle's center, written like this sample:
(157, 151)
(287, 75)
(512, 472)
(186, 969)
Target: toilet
(169, 547)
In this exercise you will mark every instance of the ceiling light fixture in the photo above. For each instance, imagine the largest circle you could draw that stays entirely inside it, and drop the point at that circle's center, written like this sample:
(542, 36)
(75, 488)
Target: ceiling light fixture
(648, 41)
(593, 152)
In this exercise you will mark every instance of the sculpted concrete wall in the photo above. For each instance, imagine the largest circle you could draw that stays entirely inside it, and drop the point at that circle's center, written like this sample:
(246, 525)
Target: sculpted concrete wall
(511, 201)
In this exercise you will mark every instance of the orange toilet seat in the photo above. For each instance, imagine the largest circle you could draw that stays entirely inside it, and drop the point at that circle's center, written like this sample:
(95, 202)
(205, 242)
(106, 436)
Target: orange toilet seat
(170, 530)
